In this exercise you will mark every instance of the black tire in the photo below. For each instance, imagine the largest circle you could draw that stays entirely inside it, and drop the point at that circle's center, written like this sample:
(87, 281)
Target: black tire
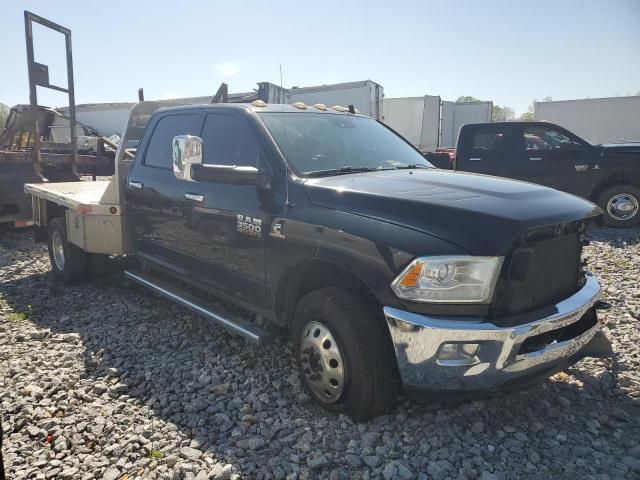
(609, 218)
(74, 264)
(365, 348)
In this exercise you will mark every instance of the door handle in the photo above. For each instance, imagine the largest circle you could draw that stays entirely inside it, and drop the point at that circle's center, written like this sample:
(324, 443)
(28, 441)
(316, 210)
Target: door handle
(195, 197)
(134, 184)
(475, 159)
(535, 159)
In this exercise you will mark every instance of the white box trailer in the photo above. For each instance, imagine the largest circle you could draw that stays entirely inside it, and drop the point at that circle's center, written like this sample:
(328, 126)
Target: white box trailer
(454, 115)
(428, 122)
(597, 120)
(109, 118)
(415, 118)
(366, 96)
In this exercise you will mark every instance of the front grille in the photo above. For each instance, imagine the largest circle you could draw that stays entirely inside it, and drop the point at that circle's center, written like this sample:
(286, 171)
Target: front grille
(539, 274)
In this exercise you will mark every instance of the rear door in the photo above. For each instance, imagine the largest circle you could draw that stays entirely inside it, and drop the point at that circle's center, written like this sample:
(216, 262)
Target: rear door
(556, 158)
(487, 148)
(154, 195)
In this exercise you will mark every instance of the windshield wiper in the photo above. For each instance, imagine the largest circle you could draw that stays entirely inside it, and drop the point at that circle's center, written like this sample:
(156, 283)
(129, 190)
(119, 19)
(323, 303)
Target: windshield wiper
(414, 165)
(339, 171)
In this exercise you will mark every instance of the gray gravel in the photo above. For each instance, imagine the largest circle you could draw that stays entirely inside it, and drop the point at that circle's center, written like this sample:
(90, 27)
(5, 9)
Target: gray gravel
(105, 380)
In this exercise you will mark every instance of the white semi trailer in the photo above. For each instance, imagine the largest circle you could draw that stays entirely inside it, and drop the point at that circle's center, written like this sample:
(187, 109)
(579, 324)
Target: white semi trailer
(597, 120)
(109, 118)
(429, 122)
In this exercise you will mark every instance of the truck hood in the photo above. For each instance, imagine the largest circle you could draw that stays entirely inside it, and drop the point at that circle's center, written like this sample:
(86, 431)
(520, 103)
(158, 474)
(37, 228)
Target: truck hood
(633, 147)
(482, 214)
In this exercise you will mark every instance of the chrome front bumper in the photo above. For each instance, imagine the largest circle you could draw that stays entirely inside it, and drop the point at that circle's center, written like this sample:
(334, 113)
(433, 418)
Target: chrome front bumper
(421, 343)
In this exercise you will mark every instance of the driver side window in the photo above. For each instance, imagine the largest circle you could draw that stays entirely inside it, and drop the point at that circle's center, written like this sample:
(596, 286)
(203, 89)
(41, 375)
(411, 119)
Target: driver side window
(229, 140)
(544, 138)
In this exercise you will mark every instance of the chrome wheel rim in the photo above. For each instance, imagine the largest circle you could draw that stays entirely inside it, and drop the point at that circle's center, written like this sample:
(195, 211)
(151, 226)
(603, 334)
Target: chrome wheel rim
(322, 362)
(622, 206)
(57, 248)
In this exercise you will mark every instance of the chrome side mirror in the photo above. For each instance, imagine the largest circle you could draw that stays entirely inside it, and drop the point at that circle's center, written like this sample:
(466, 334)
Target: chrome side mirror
(187, 151)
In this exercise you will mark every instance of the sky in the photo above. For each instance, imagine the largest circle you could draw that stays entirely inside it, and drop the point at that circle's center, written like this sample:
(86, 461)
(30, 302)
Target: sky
(509, 52)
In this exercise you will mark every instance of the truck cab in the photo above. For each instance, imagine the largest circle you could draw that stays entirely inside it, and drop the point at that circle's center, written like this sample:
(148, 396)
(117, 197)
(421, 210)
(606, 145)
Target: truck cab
(548, 154)
(325, 224)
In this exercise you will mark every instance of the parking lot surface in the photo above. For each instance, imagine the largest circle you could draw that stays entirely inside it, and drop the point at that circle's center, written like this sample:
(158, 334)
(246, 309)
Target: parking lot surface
(105, 380)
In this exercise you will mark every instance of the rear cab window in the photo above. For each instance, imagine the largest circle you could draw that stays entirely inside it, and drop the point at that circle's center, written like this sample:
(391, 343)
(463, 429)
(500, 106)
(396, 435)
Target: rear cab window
(485, 142)
(491, 138)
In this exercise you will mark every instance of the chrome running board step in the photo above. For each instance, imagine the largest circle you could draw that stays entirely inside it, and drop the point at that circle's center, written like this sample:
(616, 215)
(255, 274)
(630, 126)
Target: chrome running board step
(227, 320)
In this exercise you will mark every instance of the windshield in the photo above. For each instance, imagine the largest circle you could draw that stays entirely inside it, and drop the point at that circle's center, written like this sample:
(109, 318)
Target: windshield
(320, 143)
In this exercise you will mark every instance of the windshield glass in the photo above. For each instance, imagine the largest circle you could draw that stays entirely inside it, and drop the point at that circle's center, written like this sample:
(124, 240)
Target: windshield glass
(319, 142)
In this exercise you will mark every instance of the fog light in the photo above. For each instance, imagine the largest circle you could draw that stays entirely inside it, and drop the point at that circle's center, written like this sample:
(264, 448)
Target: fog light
(455, 354)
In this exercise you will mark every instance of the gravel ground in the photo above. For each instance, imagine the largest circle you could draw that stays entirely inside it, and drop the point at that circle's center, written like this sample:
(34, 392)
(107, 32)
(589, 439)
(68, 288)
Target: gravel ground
(105, 380)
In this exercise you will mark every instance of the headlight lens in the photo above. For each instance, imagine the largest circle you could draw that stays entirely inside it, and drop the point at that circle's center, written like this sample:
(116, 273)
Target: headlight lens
(449, 279)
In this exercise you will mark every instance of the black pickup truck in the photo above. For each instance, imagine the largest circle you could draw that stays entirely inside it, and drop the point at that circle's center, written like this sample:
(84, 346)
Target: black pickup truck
(544, 153)
(384, 270)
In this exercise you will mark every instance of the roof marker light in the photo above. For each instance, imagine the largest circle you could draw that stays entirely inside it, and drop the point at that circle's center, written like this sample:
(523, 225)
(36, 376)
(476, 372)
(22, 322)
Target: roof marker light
(299, 105)
(339, 108)
(320, 106)
(258, 103)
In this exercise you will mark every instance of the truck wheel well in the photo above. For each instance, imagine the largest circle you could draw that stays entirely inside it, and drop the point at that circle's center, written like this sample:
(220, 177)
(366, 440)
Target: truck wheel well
(52, 210)
(614, 180)
(311, 276)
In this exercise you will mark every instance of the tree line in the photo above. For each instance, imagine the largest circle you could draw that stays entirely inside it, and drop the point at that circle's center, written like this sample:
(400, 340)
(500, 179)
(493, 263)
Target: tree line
(4, 113)
(503, 113)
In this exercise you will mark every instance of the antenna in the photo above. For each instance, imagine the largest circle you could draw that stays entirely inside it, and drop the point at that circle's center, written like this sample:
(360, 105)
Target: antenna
(284, 143)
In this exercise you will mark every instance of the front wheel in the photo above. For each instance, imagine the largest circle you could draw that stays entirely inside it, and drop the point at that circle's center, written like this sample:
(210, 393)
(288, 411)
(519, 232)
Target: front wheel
(68, 261)
(621, 206)
(343, 355)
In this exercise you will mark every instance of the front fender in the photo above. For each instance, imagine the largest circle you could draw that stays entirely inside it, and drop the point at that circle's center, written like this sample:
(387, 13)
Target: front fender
(371, 249)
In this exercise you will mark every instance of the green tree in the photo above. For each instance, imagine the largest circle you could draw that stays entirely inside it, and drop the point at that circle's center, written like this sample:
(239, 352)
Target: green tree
(4, 113)
(502, 114)
(467, 99)
(527, 117)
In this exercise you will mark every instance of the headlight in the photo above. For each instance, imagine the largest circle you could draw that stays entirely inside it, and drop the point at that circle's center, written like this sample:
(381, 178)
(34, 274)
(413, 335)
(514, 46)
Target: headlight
(449, 279)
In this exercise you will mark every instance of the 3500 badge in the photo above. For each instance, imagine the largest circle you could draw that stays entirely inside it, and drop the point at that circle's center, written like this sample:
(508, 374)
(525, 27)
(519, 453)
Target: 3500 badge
(249, 226)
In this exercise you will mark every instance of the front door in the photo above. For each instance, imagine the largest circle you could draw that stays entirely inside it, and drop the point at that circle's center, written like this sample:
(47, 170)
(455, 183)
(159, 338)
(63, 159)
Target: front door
(223, 238)
(556, 158)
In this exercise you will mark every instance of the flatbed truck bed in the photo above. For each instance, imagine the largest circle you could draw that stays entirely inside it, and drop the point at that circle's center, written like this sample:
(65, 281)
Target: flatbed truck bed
(93, 211)
(78, 196)
(94, 219)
